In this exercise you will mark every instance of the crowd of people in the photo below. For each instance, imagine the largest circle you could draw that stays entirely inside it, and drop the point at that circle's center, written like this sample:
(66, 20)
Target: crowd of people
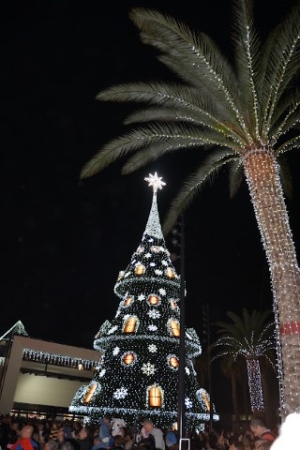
(17, 433)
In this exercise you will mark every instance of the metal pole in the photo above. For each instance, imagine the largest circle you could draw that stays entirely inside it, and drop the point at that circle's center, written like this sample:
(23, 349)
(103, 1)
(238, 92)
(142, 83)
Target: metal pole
(181, 371)
(209, 370)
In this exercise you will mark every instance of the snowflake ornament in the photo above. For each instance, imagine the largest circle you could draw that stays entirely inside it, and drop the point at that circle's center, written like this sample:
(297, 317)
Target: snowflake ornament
(162, 291)
(158, 272)
(102, 373)
(152, 348)
(152, 327)
(148, 255)
(188, 403)
(141, 297)
(120, 393)
(148, 369)
(116, 351)
(187, 371)
(153, 314)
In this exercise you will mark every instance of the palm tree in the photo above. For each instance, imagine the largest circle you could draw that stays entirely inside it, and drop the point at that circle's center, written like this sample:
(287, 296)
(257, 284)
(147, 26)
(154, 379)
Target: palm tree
(250, 337)
(244, 116)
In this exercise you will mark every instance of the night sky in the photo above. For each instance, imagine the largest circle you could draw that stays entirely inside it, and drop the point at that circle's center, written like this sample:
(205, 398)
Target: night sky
(64, 240)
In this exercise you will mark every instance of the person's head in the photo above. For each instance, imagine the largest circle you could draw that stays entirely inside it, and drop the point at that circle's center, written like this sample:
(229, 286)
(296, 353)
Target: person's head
(84, 433)
(61, 435)
(257, 426)
(118, 440)
(148, 425)
(26, 432)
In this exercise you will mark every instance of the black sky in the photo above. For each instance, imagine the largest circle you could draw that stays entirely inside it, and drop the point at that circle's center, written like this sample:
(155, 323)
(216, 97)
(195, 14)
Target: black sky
(65, 240)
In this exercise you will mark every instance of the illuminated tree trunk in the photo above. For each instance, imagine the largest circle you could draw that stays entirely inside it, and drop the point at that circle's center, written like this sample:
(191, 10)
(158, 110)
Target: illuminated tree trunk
(255, 385)
(266, 193)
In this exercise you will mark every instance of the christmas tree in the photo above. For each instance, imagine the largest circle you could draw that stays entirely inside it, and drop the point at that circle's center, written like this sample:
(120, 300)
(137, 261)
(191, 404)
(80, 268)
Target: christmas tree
(137, 376)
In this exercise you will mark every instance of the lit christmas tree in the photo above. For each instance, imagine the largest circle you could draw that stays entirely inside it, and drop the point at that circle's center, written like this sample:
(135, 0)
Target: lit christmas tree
(137, 376)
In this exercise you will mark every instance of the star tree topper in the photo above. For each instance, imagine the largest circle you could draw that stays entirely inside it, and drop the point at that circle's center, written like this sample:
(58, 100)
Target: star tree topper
(155, 181)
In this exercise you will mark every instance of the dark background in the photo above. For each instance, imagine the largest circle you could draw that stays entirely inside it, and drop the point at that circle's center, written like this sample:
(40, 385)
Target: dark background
(64, 240)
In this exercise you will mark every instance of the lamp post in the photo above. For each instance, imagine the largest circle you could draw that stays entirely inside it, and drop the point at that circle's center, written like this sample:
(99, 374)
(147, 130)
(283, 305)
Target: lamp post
(181, 372)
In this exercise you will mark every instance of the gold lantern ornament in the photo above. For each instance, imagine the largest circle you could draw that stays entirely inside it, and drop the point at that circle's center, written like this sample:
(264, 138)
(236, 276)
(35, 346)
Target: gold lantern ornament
(170, 272)
(140, 269)
(173, 361)
(153, 299)
(128, 301)
(128, 359)
(130, 324)
(90, 393)
(155, 396)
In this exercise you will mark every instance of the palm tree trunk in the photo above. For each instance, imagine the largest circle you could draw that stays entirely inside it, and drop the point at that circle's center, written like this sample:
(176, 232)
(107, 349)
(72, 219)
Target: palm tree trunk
(235, 404)
(255, 385)
(266, 193)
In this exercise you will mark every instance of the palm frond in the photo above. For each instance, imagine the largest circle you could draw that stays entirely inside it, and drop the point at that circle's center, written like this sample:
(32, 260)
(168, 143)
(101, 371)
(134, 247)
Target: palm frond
(194, 57)
(203, 175)
(246, 46)
(281, 62)
(236, 176)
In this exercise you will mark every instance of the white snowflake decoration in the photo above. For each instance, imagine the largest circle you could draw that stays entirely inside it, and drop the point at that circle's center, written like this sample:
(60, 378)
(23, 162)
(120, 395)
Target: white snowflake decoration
(158, 272)
(162, 291)
(154, 314)
(102, 373)
(120, 393)
(152, 348)
(150, 240)
(188, 403)
(116, 351)
(148, 255)
(152, 264)
(152, 327)
(164, 263)
(187, 371)
(148, 369)
(141, 297)
(112, 330)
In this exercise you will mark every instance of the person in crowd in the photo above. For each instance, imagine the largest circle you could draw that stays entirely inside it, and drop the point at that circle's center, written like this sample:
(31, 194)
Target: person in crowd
(235, 443)
(12, 437)
(51, 445)
(128, 439)
(155, 437)
(96, 442)
(77, 425)
(25, 440)
(54, 428)
(171, 440)
(104, 432)
(118, 443)
(67, 428)
(260, 430)
(84, 440)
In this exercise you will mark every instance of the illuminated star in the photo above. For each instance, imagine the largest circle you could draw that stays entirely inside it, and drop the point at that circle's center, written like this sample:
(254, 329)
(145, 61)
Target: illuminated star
(155, 181)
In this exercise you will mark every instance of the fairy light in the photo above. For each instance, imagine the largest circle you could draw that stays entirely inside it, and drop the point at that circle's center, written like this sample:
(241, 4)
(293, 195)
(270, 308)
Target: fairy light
(138, 374)
(57, 359)
(267, 197)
